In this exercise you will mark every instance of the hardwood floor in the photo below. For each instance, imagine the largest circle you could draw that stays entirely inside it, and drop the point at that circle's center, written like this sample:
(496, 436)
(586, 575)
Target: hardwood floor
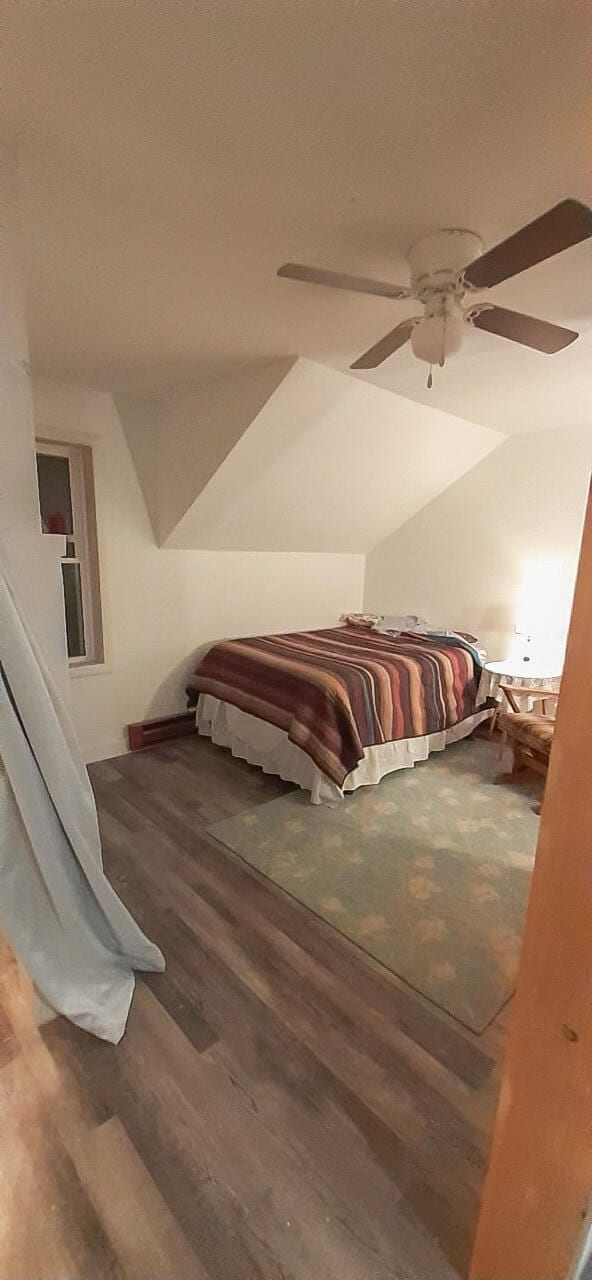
(280, 1106)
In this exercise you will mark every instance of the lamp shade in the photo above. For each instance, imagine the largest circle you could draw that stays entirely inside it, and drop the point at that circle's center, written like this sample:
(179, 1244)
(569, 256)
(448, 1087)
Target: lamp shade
(438, 335)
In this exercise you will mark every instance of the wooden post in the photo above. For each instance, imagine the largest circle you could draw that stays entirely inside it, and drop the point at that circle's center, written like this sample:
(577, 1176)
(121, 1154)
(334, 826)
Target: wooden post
(539, 1182)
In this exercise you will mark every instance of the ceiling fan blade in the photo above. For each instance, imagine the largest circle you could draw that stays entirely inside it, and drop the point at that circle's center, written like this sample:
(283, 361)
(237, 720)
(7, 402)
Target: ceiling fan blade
(391, 342)
(337, 280)
(538, 334)
(565, 224)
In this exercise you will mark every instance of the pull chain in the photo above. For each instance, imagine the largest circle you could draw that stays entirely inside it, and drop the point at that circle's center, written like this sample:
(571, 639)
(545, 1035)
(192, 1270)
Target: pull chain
(430, 379)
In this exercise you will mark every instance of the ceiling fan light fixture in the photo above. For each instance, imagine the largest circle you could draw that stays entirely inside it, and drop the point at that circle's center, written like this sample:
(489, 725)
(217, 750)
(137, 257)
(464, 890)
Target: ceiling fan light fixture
(438, 335)
(446, 265)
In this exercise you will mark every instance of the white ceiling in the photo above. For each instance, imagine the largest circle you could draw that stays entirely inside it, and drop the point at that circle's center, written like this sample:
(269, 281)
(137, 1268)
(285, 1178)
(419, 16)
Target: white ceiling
(175, 153)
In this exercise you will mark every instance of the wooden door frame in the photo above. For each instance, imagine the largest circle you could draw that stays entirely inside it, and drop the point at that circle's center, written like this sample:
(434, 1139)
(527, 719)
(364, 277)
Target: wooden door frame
(539, 1182)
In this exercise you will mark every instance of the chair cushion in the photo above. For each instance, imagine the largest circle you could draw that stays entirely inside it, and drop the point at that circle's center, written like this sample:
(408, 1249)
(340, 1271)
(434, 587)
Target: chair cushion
(531, 730)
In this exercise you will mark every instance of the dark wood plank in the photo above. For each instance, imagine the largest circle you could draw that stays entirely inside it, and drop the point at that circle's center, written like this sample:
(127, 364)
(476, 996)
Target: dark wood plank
(280, 1105)
(424, 1025)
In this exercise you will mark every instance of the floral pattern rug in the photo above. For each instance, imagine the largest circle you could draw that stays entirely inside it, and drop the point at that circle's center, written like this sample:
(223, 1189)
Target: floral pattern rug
(428, 872)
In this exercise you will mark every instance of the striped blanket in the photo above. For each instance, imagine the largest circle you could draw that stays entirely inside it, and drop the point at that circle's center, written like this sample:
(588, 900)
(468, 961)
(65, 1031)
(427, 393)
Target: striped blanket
(338, 691)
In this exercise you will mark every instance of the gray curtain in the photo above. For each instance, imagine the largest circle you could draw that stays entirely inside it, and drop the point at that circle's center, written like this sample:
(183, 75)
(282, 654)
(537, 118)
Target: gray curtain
(65, 922)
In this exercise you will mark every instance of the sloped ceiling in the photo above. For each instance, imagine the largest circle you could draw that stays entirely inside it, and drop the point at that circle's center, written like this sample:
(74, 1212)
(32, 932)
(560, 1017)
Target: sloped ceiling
(175, 152)
(325, 463)
(177, 441)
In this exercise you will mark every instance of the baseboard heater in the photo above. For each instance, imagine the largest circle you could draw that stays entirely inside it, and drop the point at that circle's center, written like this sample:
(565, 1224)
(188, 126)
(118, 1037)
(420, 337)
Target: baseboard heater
(147, 733)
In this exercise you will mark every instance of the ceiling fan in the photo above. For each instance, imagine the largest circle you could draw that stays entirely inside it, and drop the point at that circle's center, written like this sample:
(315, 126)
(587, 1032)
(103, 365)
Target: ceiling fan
(447, 265)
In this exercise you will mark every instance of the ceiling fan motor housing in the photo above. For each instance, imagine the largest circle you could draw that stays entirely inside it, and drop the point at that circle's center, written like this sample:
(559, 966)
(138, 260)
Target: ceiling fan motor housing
(438, 260)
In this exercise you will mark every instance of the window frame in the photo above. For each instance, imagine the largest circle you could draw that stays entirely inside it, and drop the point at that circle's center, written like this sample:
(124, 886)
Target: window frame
(84, 537)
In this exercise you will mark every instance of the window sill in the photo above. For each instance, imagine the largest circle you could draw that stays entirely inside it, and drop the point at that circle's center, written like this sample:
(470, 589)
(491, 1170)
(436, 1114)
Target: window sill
(76, 670)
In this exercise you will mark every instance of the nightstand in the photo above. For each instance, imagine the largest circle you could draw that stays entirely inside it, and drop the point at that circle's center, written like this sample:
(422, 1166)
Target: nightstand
(512, 674)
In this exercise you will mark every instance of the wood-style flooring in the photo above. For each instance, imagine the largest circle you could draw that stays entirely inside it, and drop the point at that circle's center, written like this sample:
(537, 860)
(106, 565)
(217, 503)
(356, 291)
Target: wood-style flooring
(280, 1105)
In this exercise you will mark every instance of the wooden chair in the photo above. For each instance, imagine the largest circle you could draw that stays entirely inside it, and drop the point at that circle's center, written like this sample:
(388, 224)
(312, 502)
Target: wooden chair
(530, 733)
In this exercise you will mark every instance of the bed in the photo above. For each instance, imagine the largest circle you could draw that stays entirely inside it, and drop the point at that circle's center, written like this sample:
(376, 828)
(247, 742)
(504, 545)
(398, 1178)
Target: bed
(335, 709)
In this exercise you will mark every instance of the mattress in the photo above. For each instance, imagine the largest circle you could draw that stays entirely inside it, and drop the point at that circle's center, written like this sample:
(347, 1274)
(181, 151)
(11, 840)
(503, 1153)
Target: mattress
(337, 692)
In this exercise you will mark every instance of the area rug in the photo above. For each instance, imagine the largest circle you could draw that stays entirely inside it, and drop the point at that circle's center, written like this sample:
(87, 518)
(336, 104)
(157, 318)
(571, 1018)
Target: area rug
(428, 872)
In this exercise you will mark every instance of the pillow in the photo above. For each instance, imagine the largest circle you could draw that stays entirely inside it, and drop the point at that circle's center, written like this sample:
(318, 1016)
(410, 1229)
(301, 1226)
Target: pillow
(399, 622)
(411, 622)
(426, 629)
(365, 620)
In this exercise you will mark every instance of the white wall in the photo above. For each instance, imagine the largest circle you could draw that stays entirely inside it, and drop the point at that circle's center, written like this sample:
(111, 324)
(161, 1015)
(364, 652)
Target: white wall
(30, 559)
(459, 561)
(160, 605)
(515, 518)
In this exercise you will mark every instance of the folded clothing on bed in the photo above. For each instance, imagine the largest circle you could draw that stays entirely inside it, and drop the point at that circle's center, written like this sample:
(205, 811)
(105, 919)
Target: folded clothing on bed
(338, 691)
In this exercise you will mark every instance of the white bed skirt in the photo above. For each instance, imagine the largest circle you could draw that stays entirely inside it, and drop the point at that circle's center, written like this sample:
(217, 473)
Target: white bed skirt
(263, 744)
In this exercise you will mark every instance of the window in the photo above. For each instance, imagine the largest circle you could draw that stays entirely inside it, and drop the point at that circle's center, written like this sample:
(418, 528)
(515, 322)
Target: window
(67, 505)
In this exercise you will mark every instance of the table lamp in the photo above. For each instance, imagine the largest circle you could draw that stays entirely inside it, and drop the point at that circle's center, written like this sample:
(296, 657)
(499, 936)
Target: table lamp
(524, 646)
